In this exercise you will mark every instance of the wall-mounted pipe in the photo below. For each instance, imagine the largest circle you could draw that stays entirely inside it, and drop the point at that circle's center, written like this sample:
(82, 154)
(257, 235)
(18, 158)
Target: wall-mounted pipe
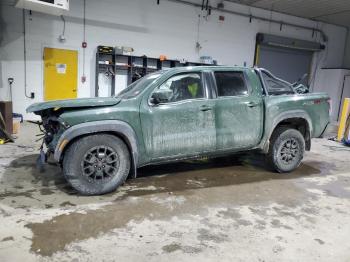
(312, 29)
(25, 55)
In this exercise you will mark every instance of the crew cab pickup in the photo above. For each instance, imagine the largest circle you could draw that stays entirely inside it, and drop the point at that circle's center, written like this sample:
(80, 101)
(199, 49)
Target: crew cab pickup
(176, 114)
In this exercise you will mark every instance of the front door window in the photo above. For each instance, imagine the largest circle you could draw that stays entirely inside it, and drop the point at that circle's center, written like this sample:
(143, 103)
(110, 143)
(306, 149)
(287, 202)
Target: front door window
(184, 87)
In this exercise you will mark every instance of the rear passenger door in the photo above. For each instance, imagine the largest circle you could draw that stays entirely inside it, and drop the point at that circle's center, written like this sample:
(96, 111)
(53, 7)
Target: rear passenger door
(238, 111)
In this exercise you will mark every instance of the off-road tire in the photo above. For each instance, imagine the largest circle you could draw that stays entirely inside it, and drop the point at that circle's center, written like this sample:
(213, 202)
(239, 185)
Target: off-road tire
(109, 176)
(287, 147)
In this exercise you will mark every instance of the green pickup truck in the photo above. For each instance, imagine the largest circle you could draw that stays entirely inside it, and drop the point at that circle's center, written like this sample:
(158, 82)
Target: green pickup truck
(176, 114)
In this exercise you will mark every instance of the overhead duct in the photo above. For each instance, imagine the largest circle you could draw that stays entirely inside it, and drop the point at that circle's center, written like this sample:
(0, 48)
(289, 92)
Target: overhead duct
(52, 7)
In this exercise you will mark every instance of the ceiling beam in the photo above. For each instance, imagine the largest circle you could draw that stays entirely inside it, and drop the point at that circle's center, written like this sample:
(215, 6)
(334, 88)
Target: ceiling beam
(261, 18)
(315, 17)
(329, 14)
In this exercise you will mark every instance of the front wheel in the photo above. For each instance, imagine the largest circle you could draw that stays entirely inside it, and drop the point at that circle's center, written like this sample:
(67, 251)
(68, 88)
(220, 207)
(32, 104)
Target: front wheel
(287, 147)
(96, 164)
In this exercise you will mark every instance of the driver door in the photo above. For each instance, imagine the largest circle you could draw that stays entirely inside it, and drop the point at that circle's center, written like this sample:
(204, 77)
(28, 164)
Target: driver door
(182, 126)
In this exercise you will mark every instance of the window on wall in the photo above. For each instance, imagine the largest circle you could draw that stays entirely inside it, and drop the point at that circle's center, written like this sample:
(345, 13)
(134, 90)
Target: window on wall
(231, 83)
(184, 87)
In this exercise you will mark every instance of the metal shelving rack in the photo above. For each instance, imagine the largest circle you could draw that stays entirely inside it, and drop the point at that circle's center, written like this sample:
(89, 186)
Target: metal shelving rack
(104, 60)
(131, 65)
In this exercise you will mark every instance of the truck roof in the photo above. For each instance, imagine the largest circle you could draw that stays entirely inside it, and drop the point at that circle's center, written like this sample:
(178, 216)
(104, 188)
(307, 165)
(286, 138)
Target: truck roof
(196, 68)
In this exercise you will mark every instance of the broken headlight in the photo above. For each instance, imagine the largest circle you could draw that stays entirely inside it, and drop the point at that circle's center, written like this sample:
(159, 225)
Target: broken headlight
(53, 128)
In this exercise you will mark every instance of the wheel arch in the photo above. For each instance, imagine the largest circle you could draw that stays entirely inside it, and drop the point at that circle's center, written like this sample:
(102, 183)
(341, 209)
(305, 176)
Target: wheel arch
(297, 119)
(115, 127)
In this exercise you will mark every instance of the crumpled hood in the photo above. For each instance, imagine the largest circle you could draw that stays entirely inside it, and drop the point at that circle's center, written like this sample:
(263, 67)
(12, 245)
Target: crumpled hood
(74, 103)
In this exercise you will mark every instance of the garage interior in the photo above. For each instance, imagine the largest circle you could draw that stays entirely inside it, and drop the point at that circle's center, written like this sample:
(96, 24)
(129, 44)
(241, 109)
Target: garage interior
(230, 208)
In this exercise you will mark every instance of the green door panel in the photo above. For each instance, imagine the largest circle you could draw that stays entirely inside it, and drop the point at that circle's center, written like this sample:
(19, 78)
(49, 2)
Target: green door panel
(239, 125)
(179, 129)
(238, 111)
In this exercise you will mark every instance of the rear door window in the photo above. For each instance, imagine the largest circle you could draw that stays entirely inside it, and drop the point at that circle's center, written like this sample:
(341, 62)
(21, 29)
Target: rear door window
(230, 83)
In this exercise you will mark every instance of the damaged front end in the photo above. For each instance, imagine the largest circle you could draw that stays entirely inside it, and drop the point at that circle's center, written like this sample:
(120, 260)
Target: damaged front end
(52, 124)
(52, 127)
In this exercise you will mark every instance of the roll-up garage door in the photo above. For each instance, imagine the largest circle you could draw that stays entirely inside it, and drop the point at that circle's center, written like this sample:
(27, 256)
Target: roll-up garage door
(286, 58)
(287, 64)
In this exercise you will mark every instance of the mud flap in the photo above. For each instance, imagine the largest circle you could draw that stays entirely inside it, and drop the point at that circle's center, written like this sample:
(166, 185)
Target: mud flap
(133, 169)
(41, 161)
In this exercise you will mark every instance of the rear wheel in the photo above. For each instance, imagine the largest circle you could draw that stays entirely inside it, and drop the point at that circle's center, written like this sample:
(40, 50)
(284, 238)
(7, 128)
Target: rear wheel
(96, 164)
(287, 147)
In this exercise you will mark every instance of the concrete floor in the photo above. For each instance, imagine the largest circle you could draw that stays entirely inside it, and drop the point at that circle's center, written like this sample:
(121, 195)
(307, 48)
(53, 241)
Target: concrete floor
(229, 209)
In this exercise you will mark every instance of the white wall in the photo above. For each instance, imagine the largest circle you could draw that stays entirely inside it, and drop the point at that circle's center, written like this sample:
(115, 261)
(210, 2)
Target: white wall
(332, 82)
(169, 29)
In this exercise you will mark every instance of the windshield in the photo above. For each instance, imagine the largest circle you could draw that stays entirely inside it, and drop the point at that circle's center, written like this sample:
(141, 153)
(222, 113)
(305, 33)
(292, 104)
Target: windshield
(138, 86)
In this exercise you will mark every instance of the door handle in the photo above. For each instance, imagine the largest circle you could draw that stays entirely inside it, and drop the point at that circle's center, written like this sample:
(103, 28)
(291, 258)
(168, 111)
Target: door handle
(205, 108)
(252, 104)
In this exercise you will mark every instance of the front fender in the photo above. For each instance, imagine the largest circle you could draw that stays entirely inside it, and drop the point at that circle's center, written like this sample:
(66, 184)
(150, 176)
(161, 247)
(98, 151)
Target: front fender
(112, 126)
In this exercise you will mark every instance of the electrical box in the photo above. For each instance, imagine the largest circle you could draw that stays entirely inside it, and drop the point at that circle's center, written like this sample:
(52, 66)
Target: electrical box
(52, 7)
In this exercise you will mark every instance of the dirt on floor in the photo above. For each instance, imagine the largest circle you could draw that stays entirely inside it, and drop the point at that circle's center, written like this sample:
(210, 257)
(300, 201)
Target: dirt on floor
(224, 209)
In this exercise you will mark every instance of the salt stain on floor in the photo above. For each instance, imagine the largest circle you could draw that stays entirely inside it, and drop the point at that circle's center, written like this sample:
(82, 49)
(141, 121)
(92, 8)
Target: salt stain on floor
(224, 209)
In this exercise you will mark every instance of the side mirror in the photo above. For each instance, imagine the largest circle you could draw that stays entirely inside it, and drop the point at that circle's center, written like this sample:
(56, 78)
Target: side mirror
(161, 96)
